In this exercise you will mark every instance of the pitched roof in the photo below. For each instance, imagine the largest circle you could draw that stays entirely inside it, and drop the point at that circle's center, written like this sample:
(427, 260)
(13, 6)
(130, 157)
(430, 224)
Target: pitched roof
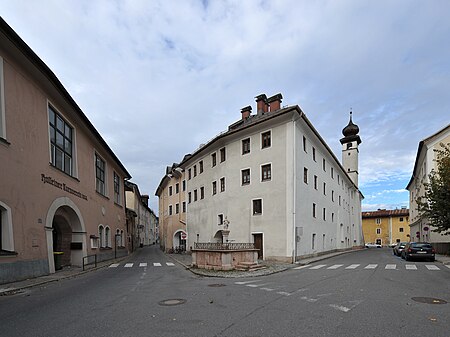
(384, 213)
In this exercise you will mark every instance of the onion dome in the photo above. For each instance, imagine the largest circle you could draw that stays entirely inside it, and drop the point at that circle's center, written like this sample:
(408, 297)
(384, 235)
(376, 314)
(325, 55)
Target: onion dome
(350, 132)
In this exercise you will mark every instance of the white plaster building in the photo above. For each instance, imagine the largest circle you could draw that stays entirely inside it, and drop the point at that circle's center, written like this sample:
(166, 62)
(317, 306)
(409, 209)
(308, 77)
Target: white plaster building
(420, 230)
(276, 181)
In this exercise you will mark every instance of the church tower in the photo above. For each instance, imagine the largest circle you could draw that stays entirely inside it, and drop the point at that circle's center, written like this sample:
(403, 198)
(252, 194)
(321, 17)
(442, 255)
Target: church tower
(350, 150)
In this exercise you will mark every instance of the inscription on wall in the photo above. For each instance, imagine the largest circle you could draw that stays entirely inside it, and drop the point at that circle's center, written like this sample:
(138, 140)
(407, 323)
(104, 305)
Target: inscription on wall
(49, 180)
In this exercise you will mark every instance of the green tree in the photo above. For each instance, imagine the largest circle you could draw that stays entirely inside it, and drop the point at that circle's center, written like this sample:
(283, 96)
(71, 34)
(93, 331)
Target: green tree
(435, 203)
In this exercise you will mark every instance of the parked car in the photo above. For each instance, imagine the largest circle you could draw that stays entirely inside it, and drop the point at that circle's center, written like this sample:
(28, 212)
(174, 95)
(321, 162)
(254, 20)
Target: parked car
(418, 250)
(398, 248)
(372, 245)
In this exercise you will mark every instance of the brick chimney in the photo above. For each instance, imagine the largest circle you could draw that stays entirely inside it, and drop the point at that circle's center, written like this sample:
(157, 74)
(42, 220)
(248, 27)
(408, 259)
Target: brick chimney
(261, 104)
(246, 112)
(275, 102)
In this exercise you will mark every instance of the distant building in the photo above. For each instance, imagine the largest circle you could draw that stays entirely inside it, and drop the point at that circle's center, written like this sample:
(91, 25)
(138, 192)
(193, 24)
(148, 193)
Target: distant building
(61, 186)
(273, 180)
(172, 209)
(420, 228)
(386, 227)
(143, 230)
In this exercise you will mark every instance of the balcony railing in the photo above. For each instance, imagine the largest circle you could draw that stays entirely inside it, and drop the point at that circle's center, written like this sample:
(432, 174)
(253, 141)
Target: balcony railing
(223, 246)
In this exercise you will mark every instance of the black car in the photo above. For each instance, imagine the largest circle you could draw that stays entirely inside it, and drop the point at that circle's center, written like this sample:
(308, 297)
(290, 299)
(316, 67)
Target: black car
(418, 250)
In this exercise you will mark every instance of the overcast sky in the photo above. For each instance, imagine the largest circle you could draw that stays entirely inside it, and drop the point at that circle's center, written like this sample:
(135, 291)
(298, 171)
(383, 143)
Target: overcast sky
(158, 78)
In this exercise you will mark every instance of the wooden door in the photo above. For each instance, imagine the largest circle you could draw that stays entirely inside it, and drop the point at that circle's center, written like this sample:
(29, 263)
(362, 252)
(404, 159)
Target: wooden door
(258, 240)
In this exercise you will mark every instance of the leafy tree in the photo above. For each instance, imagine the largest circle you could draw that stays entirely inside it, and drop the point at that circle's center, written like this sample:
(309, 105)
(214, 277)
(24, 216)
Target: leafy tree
(435, 203)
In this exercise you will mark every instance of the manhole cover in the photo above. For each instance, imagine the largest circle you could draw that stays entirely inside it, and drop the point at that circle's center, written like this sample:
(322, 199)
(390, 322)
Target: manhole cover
(429, 300)
(216, 285)
(172, 302)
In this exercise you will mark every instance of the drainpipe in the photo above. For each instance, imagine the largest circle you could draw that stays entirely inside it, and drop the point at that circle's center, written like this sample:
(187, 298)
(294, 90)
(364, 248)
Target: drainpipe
(294, 241)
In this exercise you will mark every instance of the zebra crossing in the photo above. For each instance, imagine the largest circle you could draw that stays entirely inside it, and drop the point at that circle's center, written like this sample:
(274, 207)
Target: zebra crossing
(431, 267)
(142, 265)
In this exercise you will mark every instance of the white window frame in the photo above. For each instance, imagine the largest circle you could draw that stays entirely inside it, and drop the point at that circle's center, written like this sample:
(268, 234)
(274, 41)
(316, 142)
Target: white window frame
(101, 236)
(2, 102)
(105, 183)
(262, 207)
(261, 139)
(6, 228)
(249, 146)
(261, 173)
(220, 219)
(250, 176)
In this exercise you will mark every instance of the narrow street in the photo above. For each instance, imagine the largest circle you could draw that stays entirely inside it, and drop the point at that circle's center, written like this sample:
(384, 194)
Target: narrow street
(366, 293)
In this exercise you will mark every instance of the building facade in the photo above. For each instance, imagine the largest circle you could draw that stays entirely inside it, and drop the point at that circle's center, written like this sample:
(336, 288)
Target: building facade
(386, 227)
(420, 229)
(61, 186)
(172, 210)
(271, 180)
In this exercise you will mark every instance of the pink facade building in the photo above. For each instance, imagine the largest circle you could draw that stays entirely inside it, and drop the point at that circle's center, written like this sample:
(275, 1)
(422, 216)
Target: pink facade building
(62, 195)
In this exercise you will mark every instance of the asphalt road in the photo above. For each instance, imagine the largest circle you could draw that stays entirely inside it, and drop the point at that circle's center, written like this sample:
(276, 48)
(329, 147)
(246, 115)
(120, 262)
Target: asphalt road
(355, 294)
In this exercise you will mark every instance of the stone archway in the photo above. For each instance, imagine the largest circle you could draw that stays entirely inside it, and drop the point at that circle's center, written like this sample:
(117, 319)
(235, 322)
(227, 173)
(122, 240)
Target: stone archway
(66, 234)
(179, 240)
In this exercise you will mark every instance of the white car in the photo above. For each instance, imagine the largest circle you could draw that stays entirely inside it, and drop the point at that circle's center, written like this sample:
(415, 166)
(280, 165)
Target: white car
(372, 245)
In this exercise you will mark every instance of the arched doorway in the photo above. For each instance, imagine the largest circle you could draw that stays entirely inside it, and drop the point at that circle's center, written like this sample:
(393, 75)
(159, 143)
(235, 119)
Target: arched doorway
(179, 241)
(218, 236)
(66, 235)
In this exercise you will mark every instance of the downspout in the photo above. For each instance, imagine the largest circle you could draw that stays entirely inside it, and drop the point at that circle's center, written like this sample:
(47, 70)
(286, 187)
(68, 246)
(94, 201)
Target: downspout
(294, 149)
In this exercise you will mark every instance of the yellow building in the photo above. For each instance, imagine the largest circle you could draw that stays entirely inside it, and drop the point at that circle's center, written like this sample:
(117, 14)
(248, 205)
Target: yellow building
(386, 227)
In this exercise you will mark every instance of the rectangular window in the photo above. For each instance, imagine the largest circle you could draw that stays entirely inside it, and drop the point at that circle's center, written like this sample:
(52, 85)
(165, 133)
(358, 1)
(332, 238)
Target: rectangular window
(332, 217)
(378, 230)
(324, 188)
(177, 208)
(324, 214)
(332, 196)
(202, 192)
(314, 153)
(314, 210)
(214, 187)
(116, 188)
(189, 174)
(61, 142)
(265, 140)
(170, 191)
(304, 143)
(400, 229)
(324, 165)
(200, 164)
(266, 172)
(195, 195)
(313, 244)
(222, 184)
(246, 146)
(339, 200)
(189, 197)
(245, 176)
(257, 207)
(100, 175)
(305, 175)
(220, 219)
(170, 209)
(195, 170)
(378, 221)
(184, 185)
(177, 188)
(315, 182)
(401, 219)
(213, 159)
(184, 206)
(222, 155)
(332, 173)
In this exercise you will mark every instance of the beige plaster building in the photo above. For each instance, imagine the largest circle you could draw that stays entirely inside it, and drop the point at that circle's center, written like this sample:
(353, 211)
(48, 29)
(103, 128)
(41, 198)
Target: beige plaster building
(420, 229)
(61, 186)
(386, 227)
(172, 209)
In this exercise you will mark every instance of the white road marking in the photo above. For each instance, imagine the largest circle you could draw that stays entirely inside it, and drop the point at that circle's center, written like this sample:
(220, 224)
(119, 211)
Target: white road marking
(283, 293)
(336, 266)
(301, 267)
(411, 267)
(391, 266)
(156, 264)
(447, 265)
(170, 264)
(254, 285)
(128, 265)
(371, 266)
(267, 289)
(353, 266)
(246, 282)
(432, 267)
(114, 265)
(340, 307)
(318, 266)
(143, 264)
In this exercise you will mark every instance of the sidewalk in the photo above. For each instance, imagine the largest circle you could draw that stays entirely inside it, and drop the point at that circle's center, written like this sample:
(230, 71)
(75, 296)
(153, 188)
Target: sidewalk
(183, 259)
